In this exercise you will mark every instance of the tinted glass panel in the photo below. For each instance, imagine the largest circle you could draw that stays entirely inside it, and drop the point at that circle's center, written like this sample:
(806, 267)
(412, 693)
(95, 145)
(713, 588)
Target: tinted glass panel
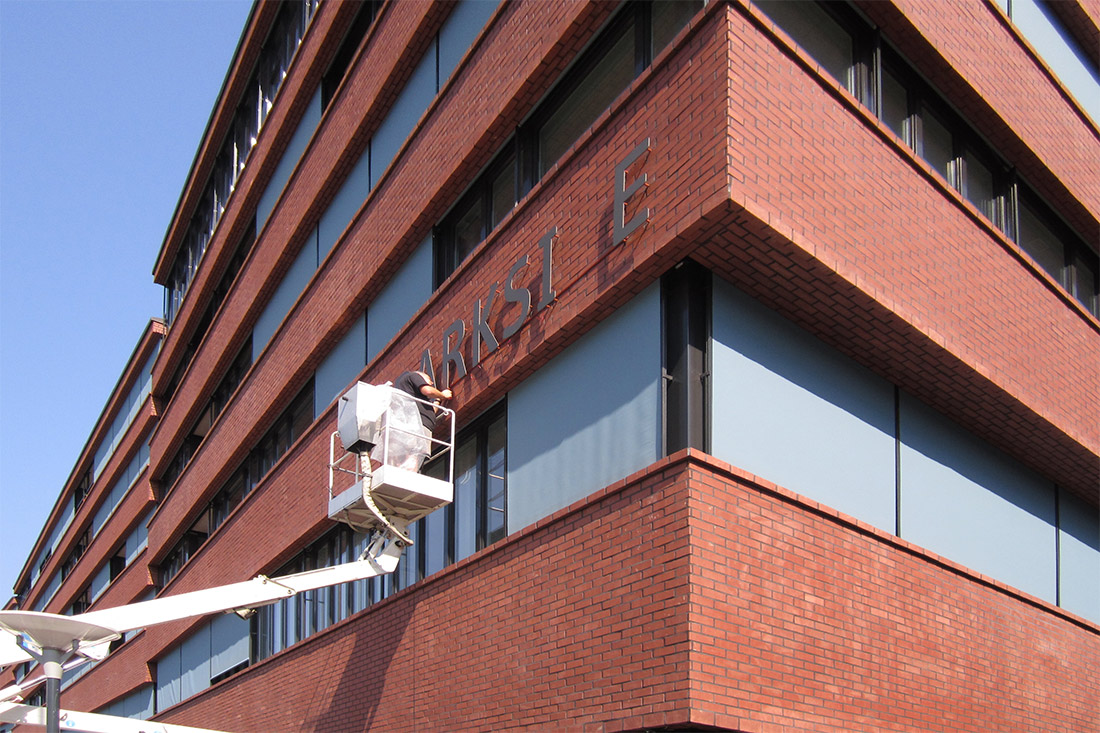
(817, 33)
(979, 187)
(503, 192)
(1039, 241)
(587, 100)
(669, 17)
(895, 107)
(936, 144)
(468, 229)
(1085, 284)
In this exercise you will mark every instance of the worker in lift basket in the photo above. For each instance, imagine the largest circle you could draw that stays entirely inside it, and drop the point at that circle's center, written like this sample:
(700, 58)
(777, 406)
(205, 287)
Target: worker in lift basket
(418, 447)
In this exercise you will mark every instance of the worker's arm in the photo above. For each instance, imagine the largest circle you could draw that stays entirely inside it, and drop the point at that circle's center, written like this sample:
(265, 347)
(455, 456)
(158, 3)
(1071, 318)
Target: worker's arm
(434, 394)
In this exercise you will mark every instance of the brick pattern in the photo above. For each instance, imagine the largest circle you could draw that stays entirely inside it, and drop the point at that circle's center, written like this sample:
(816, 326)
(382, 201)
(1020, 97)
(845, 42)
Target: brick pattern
(922, 283)
(1016, 103)
(743, 144)
(805, 619)
(689, 593)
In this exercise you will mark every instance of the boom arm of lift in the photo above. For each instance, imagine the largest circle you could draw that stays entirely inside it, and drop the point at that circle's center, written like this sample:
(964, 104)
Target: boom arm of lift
(11, 712)
(250, 594)
(383, 502)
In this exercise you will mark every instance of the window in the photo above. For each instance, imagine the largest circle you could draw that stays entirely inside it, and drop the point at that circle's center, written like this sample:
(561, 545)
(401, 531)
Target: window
(817, 31)
(290, 426)
(935, 143)
(1057, 249)
(855, 54)
(275, 58)
(77, 552)
(478, 212)
(277, 626)
(221, 291)
(613, 60)
(80, 492)
(478, 516)
(364, 18)
(80, 603)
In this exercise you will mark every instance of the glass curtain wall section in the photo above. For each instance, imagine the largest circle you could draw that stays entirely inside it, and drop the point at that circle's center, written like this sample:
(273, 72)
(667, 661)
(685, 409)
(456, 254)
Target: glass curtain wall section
(857, 56)
(272, 67)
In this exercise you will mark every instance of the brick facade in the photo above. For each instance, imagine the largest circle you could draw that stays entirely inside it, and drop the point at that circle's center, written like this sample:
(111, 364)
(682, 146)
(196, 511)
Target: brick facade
(689, 593)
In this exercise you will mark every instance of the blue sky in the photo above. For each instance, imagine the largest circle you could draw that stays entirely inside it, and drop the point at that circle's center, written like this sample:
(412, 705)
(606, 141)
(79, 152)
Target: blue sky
(102, 107)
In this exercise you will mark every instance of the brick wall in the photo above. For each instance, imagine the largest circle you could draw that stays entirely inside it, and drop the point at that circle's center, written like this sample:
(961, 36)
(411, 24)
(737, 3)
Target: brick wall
(690, 592)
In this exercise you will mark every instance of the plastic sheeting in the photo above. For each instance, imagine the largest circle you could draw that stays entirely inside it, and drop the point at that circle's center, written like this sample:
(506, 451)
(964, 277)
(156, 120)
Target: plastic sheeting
(405, 443)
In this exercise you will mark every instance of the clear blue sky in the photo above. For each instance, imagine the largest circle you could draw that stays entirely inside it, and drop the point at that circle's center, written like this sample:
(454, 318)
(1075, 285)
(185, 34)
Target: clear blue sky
(102, 107)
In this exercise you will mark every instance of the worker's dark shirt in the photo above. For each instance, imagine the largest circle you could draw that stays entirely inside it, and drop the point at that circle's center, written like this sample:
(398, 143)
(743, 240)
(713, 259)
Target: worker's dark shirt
(410, 383)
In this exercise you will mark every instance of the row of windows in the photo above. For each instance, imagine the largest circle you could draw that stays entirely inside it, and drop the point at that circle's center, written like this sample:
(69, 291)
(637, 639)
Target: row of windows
(218, 402)
(291, 425)
(614, 59)
(118, 491)
(477, 518)
(853, 53)
(217, 297)
(271, 69)
(1060, 42)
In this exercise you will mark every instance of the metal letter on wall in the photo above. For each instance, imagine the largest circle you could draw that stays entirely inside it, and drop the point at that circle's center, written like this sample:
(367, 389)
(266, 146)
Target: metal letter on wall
(481, 331)
(512, 294)
(453, 355)
(547, 244)
(426, 365)
(623, 192)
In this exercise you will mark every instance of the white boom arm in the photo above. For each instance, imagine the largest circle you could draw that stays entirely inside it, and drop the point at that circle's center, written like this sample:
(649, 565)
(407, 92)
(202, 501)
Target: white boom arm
(89, 722)
(259, 591)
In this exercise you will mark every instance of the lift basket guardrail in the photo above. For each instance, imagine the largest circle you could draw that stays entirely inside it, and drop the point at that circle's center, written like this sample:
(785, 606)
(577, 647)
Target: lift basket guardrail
(374, 474)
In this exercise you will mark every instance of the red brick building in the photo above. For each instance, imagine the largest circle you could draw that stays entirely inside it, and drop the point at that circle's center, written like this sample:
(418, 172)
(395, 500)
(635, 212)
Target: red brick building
(773, 331)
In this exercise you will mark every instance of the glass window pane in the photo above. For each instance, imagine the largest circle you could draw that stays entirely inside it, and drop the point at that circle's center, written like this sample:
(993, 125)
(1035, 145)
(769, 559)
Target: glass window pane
(503, 192)
(468, 230)
(668, 18)
(936, 146)
(979, 186)
(496, 496)
(466, 503)
(1086, 282)
(589, 98)
(1037, 239)
(817, 33)
(895, 106)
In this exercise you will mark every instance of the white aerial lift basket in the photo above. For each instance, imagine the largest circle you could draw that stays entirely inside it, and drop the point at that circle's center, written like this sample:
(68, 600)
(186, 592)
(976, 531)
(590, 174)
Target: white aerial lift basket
(374, 475)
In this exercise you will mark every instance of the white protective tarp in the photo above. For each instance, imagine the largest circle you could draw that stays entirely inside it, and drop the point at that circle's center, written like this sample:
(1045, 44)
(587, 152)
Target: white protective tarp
(405, 443)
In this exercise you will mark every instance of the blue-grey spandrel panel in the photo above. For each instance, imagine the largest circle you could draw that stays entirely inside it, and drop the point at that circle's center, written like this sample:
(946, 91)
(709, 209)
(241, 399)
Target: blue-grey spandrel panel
(1079, 557)
(168, 679)
(344, 206)
(794, 411)
(965, 500)
(399, 301)
(403, 116)
(293, 283)
(228, 642)
(341, 366)
(294, 150)
(458, 33)
(589, 417)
